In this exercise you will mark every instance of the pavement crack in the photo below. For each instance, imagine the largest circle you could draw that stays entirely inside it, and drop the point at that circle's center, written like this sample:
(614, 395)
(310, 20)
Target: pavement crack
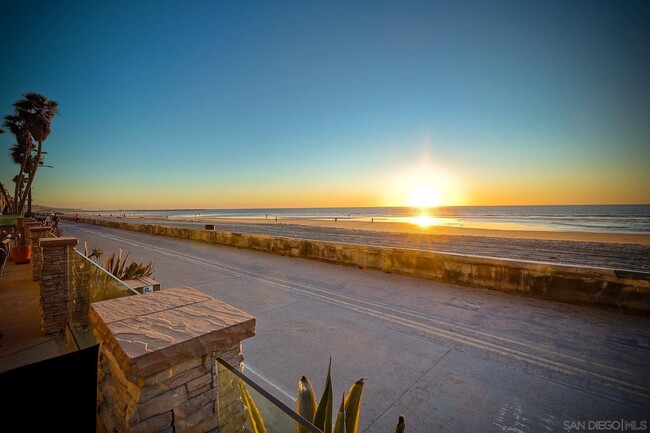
(279, 306)
(407, 390)
(209, 281)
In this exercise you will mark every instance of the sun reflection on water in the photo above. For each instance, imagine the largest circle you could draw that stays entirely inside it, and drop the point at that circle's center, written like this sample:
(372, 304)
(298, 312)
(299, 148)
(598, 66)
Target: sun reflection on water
(425, 220)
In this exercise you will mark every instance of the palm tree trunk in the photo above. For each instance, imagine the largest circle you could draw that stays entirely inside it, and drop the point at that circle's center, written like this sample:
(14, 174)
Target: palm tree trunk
(6, 198)
(29, 202)
(30, 180)
(20, 178)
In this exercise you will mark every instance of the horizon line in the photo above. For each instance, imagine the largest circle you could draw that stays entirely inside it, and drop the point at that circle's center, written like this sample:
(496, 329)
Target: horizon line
(335, 207)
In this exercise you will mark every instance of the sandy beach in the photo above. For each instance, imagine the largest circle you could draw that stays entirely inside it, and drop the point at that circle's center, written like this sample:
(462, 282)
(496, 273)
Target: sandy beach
(411, 228)
(627, 251)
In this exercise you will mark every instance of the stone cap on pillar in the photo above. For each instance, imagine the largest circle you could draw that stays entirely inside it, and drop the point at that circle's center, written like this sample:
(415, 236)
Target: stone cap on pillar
(154, 331)
(64, 241)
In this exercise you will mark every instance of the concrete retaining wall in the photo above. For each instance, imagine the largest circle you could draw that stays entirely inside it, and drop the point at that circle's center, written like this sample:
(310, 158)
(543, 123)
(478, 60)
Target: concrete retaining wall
(623, 290)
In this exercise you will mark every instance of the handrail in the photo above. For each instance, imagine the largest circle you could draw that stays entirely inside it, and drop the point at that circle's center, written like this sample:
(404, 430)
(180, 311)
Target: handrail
(283, 407)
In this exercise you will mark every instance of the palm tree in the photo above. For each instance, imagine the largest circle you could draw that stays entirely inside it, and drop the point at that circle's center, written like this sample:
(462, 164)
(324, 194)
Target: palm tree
(3, 191)
(31, 121)
(17, 125)
(20, 155)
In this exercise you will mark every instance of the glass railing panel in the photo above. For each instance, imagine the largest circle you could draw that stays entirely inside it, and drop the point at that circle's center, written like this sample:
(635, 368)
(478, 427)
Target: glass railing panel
(88, 283)
(232, 412)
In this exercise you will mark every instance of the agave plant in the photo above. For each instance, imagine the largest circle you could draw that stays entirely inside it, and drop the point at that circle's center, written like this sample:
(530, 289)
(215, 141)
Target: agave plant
(116, 265)
(347, 418)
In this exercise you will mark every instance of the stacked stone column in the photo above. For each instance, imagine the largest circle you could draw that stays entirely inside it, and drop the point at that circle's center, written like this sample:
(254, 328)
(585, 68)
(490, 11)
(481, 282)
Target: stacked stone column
(28, 224)
(34, 235)
(54, 282)
(157, 369)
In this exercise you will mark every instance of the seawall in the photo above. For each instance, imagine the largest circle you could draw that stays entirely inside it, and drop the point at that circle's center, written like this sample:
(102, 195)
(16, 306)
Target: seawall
(626, 291)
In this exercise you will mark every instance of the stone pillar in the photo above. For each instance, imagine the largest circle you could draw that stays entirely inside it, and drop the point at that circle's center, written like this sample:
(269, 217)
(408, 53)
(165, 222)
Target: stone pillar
(54, 282)
(157, 369)
(28, 223)
(34, 234)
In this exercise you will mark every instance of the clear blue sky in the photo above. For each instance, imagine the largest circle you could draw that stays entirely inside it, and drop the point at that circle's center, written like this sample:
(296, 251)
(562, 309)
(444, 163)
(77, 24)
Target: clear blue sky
(305, 103)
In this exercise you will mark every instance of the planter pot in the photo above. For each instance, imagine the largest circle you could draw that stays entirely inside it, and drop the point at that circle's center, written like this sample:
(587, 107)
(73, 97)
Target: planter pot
(21, 254)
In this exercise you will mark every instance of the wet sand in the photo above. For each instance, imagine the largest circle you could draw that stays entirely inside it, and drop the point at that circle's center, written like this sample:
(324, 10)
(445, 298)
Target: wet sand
(609, 250)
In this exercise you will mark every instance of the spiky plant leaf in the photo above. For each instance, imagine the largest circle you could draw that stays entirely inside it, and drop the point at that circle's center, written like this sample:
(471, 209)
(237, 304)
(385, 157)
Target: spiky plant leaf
(353, 406)
(305, 403)
(400, 425)
(109, 263)
(121, 269)
(257, 423)
(323, 417)
(117, 262)
(339, 427)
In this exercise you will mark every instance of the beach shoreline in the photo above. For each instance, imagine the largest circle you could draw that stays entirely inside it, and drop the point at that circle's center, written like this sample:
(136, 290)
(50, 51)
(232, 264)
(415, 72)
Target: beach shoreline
(621, 251)
(406, 227)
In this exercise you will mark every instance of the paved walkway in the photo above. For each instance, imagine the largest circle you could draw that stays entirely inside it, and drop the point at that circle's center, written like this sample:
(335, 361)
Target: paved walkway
(450, 358)
(22, 341)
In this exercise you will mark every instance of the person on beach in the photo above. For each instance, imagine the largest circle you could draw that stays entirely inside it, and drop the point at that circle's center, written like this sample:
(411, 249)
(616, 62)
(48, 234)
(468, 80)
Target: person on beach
(48, 220)
(76, 218)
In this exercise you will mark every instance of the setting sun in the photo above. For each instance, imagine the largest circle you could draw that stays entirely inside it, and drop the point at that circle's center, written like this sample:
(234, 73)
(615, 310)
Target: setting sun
(424, 196)
(423, 184)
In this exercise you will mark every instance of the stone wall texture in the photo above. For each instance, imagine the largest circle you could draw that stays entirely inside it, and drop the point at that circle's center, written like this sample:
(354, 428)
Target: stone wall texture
(625, 291)
(34, 235)
(54, 283)
(180, 398)
(157, 363)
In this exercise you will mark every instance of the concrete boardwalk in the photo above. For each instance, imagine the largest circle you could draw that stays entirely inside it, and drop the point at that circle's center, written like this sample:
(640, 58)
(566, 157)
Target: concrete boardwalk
(22, 341)
(450, 358)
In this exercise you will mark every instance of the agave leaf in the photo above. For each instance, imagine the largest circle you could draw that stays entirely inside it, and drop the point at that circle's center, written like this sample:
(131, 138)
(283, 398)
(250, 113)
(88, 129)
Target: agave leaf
(150, 269)
(400, 425)
(119, 271)
(353, 406)
(109, 263)
(323, 417)
(117, 262)
(305, 403)
(339, 427)
(257, 423)
(132, 271)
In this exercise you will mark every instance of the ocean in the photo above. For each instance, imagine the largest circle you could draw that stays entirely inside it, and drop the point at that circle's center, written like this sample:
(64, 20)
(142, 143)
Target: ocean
(587, 218)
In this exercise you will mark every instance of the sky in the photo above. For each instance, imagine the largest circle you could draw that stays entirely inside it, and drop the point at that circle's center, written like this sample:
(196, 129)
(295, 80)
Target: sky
(194, 104)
